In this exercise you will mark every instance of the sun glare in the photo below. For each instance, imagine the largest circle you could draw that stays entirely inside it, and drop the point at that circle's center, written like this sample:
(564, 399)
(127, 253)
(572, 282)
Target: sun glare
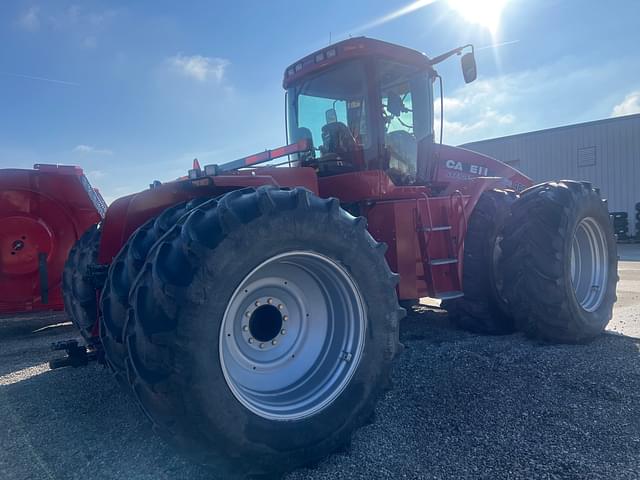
(486, 13)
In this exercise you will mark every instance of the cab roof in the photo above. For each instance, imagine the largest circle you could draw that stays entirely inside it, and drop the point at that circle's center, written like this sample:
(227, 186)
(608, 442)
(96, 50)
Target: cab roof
(349, 49)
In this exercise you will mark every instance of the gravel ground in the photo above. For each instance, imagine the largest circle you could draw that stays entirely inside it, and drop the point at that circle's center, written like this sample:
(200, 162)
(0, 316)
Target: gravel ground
(463, 406)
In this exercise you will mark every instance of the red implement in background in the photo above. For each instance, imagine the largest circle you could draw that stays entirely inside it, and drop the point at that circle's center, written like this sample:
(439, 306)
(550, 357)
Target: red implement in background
(42, 213)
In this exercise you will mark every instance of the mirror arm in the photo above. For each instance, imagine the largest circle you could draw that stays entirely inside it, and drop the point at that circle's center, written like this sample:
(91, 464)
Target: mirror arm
(455, 51)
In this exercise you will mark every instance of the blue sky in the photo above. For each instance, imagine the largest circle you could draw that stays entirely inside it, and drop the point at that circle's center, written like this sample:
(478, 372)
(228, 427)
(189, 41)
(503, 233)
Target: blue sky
(133, 91)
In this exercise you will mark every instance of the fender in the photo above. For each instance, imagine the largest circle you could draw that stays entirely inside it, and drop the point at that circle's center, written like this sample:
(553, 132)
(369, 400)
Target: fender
(128, 213)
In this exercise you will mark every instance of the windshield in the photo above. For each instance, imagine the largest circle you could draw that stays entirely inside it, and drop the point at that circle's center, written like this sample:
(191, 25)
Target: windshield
(330, 109)
(407, 108)
(333, 110)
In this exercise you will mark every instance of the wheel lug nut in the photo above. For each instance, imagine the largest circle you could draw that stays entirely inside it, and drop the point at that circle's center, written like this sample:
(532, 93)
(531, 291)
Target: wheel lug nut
(245, 327)
(257, 303)
(283, 332)
(251, 340)
(247, 314)
(270, 301)
(262, 345)
(285, 317)
(280, 306)
(274, 341)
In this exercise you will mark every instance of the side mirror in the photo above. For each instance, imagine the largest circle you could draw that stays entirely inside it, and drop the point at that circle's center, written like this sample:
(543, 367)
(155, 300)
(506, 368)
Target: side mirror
(468, 63)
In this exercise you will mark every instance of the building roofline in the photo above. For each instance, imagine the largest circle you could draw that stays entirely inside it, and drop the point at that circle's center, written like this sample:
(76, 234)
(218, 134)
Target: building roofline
(563, 127)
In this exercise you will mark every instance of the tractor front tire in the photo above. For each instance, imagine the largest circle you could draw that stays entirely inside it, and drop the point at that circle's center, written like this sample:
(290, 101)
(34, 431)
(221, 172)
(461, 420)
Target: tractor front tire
(114, 301)
(483, 309)
(79, 293)
(560, 262)
(263, 329)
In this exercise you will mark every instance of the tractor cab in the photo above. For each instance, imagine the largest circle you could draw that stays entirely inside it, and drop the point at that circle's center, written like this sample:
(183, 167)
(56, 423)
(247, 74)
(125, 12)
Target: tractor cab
(364, 105)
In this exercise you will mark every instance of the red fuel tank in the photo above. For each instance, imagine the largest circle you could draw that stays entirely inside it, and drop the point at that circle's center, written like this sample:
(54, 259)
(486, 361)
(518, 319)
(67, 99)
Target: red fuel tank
(42, 213)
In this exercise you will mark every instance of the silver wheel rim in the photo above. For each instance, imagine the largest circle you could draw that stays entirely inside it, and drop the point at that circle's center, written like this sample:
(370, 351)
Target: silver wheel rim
(292, 335)
(589, 264)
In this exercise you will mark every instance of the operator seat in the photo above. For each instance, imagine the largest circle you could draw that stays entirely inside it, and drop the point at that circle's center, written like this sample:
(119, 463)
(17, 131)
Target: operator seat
(338, 150)
(338, 139)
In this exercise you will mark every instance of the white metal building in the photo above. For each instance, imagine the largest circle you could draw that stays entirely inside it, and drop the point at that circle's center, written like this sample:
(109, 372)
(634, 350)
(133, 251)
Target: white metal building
(604, 152)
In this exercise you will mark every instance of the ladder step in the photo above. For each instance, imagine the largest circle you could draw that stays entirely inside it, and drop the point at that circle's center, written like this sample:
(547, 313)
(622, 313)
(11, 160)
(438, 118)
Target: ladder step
(443, 261)
(449, 295)
(435, 229)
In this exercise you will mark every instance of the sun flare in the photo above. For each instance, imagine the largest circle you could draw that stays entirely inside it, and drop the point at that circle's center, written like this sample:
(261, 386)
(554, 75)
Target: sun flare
(486, 13)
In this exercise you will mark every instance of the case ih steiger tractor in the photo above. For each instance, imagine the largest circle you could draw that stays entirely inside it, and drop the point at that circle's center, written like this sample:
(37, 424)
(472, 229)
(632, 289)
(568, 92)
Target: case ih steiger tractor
(253, 310)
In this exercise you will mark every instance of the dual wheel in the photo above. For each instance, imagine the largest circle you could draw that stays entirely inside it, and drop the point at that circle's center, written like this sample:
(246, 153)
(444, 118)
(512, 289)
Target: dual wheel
(544, 263)
(255, 330)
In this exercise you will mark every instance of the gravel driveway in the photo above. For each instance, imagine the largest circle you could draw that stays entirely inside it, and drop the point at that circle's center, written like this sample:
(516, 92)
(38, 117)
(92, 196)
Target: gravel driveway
(463, 406)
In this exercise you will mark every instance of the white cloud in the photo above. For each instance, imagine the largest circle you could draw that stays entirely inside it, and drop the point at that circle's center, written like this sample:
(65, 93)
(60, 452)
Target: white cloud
(628, 106)
(198, 67)
(88, 149)
(30, 20)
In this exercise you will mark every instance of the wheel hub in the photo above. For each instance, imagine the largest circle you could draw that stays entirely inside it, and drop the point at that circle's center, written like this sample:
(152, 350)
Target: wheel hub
(589, 264)
(292, 335)
(265, 323)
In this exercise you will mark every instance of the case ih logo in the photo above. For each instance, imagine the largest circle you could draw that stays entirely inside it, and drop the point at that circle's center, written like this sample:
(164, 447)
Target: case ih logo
(467, 168)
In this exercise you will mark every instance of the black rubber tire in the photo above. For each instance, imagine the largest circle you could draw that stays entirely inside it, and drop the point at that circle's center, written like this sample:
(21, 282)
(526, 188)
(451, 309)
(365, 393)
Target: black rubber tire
(178, 302)
(536, 261)
(114, 301)
(79, 293)
(483, 308)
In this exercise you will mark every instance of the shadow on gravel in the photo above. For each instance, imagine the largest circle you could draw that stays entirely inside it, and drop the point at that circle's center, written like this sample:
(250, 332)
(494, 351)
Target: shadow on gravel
(25, 339)
(462, 406)
(27, 323)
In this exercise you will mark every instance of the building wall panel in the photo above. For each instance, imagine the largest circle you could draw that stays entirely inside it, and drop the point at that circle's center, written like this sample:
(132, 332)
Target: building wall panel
(553, 154)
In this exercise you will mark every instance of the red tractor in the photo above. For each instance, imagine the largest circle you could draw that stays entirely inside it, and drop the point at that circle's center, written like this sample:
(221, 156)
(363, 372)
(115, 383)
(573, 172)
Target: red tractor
(252, 307)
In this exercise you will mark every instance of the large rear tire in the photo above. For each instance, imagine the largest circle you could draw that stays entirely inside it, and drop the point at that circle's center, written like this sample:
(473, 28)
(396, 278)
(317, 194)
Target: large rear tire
(79, 293)
(483, 309)
(114, 301)
(560, 262)
(262, 331)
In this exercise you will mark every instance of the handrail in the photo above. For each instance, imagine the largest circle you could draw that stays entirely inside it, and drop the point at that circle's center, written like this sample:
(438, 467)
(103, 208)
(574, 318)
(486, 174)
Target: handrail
(302, 145)
(462, 233)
